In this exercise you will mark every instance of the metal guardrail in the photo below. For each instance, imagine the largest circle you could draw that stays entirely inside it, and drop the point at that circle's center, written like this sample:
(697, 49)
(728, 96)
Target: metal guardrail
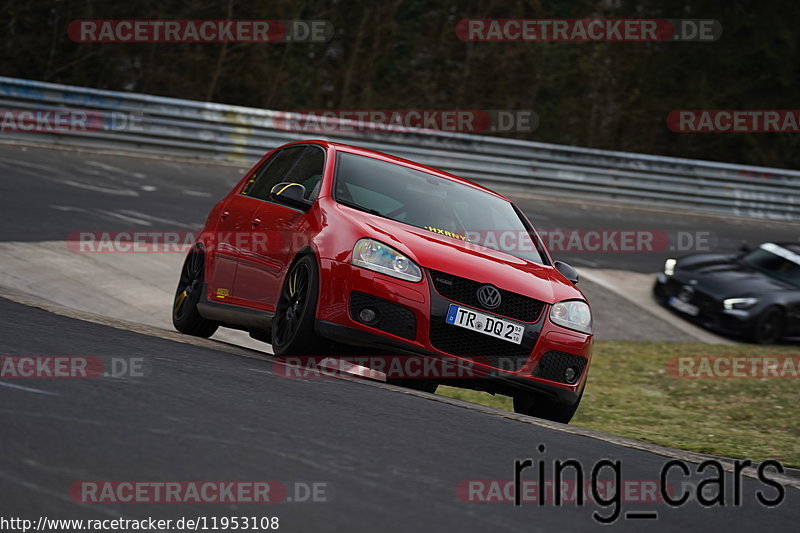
(225, 132)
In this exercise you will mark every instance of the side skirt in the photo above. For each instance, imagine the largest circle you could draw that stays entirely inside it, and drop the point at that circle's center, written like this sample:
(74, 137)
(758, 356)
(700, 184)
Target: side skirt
(236, 317)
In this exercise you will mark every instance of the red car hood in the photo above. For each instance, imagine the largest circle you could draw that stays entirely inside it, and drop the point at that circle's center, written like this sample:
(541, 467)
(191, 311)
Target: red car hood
(446, 254)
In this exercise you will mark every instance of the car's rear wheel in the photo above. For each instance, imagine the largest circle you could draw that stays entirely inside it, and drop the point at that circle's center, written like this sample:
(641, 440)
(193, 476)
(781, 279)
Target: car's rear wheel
(541, 407)
(769, 326)
(293, 324)
(185, 316)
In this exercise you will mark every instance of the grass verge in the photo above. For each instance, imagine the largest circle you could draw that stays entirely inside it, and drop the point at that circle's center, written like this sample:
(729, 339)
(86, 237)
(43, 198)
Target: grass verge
(630, 393)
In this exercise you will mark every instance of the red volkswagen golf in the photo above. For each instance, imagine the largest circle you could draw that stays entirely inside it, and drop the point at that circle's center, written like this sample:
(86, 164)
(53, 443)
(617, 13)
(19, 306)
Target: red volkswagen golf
(324, 247)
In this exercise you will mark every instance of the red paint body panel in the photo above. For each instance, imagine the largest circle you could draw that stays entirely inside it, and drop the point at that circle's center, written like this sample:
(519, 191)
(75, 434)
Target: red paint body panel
(253, 275)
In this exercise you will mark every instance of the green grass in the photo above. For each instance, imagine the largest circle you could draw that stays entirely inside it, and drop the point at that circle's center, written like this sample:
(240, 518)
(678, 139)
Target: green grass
(631, 394)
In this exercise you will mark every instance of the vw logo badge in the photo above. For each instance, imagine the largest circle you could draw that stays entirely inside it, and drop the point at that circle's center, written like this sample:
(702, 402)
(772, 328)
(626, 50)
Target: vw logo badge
(489, 296)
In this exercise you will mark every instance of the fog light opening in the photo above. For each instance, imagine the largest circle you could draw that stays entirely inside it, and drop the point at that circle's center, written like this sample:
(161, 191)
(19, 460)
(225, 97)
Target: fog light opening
(571, 374)
(368, 315)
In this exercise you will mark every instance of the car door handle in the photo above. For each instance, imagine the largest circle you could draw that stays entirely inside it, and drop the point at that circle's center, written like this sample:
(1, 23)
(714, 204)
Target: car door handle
(224, 215)
(255, 222)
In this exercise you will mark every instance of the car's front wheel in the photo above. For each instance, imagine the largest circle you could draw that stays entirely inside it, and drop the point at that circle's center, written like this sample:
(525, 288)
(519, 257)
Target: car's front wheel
(768, 327)
(527, 403)
(185, 316)
(293, 324)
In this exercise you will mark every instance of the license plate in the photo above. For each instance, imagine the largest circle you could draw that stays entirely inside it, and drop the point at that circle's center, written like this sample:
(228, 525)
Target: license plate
(486, 324)
(684, 307)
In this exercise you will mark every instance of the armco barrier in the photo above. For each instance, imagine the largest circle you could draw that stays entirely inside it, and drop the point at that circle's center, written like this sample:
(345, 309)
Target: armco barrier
(224, 132)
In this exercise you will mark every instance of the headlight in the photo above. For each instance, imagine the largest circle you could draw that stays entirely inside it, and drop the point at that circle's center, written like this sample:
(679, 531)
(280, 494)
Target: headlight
(374, 255)
(573, 314)
(739, 303)
(669, 266)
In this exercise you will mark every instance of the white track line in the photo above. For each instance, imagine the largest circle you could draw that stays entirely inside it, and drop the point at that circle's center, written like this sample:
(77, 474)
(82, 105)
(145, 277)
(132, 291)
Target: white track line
(27, 389)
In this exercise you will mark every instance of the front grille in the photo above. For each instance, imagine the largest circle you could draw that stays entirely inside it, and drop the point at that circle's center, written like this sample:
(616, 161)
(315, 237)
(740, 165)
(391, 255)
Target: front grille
(478, 347)
(552, 366)
(707, 304)
(464, 291)
(392, 318)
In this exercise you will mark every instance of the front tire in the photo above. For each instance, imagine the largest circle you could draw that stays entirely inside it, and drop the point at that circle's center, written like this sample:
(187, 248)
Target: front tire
(768, 328)
(531, 404)
(293, 326)
(185, 316)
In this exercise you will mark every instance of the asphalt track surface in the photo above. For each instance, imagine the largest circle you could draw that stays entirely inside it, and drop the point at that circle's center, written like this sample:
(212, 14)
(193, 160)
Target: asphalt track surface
(389, 460)
(47, 194)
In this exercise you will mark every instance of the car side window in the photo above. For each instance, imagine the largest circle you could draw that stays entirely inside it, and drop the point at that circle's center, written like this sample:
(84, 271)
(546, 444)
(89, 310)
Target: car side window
(272, 172)
(307, 171)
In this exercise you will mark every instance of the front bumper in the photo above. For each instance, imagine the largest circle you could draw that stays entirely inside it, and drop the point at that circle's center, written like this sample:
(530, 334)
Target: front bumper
(501, 366)
(711, 313)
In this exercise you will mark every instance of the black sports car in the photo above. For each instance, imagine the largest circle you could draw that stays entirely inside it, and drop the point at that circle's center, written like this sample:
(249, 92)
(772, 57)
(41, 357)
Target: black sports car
(755, 293)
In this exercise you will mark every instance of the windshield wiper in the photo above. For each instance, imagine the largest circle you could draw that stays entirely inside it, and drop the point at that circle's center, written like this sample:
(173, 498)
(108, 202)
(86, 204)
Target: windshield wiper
(361, 208)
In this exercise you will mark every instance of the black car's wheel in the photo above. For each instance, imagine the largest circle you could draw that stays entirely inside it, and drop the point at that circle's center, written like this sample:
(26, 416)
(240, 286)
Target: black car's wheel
(534, 405)
(423, 385)
(293, 324)
(769, 326)
(185, 316)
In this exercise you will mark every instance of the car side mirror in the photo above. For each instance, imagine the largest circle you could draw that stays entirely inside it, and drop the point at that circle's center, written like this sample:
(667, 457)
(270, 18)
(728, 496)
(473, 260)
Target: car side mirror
(567, 271)
(744, 248)
(291, 194)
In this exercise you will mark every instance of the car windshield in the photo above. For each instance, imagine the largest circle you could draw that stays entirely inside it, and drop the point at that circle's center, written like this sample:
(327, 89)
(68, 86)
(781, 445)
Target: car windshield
(776, 261)
(436, 204)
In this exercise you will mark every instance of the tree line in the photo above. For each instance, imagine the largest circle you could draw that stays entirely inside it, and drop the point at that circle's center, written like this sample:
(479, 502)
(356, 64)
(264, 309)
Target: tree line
(405, 54)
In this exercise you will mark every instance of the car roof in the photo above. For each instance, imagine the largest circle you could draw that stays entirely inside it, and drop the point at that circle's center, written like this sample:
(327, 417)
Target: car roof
(340, 147)
(793, 246)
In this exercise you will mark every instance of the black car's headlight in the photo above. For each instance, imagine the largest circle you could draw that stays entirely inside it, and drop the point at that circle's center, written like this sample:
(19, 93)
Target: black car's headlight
(572, 314)
(374, 255)
(739, 303)
(669, 266)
